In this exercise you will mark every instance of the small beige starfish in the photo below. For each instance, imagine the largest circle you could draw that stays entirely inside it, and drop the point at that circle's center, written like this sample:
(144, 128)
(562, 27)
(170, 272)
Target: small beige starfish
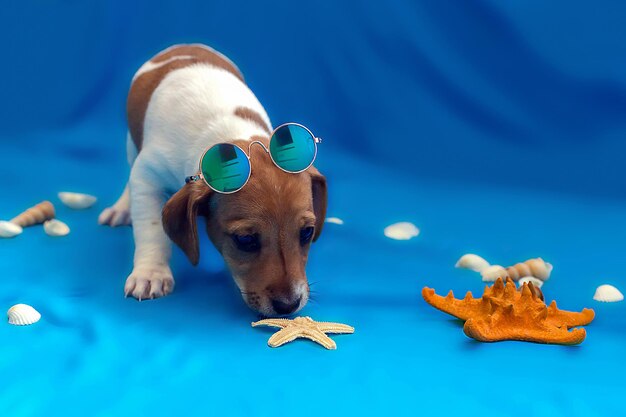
(303, 327)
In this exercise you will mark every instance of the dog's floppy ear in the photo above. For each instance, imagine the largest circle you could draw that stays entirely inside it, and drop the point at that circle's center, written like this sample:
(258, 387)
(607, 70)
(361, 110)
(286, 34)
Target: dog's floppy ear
(180, 214)
(320, 199)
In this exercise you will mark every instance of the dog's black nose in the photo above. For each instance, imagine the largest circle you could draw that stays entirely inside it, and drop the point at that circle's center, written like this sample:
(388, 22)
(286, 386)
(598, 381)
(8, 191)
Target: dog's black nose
(285, 308)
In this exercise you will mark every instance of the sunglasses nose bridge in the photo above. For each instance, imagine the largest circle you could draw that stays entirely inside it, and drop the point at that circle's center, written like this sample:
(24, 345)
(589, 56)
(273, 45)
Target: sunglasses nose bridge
(258, 143)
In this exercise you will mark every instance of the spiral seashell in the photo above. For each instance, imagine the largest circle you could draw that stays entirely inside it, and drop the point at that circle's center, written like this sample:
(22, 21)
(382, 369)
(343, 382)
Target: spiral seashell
(537, 268)
(35, 215)
(22, 315)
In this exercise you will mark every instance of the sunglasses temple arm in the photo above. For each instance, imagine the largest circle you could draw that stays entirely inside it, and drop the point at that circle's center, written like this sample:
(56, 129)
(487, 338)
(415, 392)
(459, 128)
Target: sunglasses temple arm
(192, 178)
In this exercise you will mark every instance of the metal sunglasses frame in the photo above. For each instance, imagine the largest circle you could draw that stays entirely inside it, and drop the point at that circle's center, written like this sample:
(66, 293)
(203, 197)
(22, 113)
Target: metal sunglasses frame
(198, 176)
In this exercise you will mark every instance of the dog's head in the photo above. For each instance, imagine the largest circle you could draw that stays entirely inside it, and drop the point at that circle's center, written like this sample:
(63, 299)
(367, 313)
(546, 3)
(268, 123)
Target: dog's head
(263, 231)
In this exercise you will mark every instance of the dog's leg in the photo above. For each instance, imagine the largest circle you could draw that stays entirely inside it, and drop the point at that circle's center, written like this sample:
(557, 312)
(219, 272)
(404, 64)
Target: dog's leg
(151, 276)
(119, 213)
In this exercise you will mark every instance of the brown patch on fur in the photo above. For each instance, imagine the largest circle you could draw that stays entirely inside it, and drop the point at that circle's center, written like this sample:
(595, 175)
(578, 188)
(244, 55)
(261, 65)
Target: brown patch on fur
(319, 191)
(247, 113)
(180, 214)
(274, 205)
(144, 85)
(201, 53)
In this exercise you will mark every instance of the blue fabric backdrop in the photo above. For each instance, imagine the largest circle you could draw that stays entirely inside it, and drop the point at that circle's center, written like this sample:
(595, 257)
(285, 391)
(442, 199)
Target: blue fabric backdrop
(496, 127)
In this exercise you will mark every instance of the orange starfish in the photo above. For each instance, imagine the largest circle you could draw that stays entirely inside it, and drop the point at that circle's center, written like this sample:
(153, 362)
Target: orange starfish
(504, 313)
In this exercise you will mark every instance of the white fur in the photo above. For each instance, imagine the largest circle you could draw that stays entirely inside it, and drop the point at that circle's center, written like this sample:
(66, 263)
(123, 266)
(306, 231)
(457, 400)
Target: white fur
(191, 110)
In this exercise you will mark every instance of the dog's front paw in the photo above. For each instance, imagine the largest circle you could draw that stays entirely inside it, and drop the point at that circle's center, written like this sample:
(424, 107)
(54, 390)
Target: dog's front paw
(148, 282)
(115, 216)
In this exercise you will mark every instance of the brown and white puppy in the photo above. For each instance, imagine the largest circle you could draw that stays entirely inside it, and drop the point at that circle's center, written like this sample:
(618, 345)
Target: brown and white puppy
(184, 100)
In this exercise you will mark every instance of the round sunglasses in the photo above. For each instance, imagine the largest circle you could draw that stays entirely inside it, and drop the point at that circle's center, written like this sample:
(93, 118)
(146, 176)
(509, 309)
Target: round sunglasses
(225, 167)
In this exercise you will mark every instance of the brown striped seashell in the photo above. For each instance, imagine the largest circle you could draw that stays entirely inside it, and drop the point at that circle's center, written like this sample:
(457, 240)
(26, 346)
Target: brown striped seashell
(35, 215)
(537, 268)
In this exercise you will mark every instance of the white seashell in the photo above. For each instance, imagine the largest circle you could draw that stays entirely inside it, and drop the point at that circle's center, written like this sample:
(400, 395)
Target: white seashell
(23, 314)
(473, 262)
(401, 231)
(56, 227)
(77, 200)
(8, 229)
(608, 294)
(493, 272)
(334, 220)
(536, 281)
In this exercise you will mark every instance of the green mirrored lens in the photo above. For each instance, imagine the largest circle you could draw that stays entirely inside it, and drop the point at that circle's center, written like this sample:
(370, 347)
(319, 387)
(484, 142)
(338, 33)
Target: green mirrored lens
(225, 167)
(292, 148)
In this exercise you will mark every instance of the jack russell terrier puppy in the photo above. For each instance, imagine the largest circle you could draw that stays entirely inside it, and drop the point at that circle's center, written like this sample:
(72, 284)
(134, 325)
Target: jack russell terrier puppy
(184, 100)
